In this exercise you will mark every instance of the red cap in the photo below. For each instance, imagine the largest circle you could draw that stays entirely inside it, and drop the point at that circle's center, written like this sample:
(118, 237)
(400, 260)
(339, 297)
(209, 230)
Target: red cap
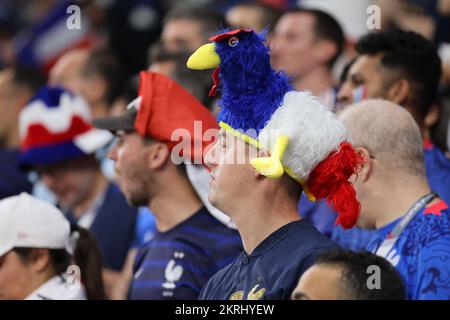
(166, 107)
(228, 34)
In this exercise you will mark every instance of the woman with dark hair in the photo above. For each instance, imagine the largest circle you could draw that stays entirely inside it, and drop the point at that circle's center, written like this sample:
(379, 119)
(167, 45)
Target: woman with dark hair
(43, 257)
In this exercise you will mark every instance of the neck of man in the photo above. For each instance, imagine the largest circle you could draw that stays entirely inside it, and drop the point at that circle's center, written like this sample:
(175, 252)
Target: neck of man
(174, 202)
(316, 80)
(98, 187)
(397, 197)
(259, 217)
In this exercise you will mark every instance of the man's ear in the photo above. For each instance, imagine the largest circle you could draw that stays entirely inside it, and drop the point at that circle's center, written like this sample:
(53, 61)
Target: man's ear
(40, 259)
(158, 155)
(399, 92)
(365, 169)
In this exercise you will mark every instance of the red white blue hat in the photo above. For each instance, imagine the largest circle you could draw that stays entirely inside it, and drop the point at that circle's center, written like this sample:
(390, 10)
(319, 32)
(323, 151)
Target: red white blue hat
(55, 126)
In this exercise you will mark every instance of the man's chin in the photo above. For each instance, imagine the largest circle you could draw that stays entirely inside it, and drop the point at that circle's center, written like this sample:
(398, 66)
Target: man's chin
(216, 201)
(136, 201)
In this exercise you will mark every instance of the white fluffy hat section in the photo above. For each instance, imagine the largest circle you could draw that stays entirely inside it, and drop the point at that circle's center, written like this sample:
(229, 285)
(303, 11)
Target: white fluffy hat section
(313, 132)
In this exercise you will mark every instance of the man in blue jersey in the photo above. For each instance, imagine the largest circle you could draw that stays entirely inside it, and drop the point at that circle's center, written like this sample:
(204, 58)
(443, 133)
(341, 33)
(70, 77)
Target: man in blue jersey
(402, 67)
(412, 222)
(190, 244)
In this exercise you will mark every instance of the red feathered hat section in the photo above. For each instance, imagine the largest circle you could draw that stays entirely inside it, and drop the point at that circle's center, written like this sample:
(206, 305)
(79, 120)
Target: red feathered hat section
(329, 180)
(170, 114)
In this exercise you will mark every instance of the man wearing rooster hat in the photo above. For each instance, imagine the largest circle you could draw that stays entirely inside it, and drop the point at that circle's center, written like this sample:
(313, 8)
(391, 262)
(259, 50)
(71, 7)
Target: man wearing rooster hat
(298, 145)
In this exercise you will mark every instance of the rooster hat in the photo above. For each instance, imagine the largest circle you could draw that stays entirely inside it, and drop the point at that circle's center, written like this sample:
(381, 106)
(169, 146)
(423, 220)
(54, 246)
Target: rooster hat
(258, 105)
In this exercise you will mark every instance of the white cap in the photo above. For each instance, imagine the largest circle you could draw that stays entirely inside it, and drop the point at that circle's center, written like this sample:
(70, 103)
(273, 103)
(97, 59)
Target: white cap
(26, 221)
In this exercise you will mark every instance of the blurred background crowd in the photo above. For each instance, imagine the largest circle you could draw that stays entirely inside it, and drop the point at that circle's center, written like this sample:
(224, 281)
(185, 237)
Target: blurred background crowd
(316, 42)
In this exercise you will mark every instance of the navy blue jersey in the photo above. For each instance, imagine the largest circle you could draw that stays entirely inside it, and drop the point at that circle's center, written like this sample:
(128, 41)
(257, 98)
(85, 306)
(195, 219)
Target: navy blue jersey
(176, 264)
(272, 271)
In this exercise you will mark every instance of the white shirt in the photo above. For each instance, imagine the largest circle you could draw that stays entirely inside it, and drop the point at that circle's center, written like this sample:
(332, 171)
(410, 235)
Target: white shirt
(58, 288)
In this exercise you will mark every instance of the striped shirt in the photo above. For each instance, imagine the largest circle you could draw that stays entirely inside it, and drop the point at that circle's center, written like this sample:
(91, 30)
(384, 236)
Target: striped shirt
(176, 264)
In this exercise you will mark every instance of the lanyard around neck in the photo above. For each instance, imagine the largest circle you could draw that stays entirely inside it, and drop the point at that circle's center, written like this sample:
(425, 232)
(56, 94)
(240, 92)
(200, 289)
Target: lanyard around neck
(392, 237)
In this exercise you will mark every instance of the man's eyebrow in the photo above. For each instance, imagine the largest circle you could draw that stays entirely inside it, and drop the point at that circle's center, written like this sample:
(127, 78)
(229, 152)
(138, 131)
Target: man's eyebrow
(300, 296)
(356, 76)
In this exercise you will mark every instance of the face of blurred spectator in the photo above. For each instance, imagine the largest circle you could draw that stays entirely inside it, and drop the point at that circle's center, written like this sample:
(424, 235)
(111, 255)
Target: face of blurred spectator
(67, 70)
(245, 17)
(182, 34)
(399, 66)
(7, 102)
(293, 44)
(134, 160)
(102, 81)
(17, 85)
(365, 75)
(72, 181)
(19, 278)
(320, 282)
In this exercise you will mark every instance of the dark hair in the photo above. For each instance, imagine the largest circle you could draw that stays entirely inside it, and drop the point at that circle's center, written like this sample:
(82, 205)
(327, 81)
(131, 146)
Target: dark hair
(325, 28)
(28, 78)
(210, 20)
(86, 256)
(345, 70)
(439, 131)
(355, 274)
(414, 56)
(103, 63)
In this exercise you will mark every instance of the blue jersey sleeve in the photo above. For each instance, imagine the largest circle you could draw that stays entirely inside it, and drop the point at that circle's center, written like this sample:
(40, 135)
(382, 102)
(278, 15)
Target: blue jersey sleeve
(433, 273)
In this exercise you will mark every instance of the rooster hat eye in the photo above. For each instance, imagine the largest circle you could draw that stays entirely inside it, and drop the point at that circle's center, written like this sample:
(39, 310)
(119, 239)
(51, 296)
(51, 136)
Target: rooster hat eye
(233, 41)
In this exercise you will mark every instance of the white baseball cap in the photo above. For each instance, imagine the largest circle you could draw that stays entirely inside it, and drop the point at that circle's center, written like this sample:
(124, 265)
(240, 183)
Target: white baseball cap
(26, 221)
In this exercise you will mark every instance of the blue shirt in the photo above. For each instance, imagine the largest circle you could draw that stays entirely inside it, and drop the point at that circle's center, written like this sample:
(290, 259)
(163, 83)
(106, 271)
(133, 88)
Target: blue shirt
(273, 269)
(438, 170)
(12, 180)
(145, 227)
(176, 264)
(323, 217)
(422, 252)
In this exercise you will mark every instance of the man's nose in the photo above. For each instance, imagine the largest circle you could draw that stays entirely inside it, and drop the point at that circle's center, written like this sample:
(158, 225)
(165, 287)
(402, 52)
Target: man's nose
(112, 154)
(210, 157)
(345, 94)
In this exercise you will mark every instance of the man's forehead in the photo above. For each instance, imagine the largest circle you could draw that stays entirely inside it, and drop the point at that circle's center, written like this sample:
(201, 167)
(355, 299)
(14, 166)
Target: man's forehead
(365, 62)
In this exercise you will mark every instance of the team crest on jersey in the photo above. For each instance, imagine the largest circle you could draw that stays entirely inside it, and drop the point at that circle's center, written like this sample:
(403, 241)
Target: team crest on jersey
(172, 273)
(257, 292)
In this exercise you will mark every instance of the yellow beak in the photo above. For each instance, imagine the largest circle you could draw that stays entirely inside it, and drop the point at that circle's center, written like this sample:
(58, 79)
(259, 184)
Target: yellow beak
(204, 57)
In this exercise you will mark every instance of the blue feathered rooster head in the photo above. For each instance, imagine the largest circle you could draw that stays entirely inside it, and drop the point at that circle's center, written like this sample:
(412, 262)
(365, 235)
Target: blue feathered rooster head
(250, 89)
